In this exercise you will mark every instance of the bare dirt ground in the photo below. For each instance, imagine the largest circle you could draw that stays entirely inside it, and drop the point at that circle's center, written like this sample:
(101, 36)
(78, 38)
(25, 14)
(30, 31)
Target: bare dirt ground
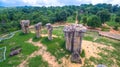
(43, 52)
(91, 49)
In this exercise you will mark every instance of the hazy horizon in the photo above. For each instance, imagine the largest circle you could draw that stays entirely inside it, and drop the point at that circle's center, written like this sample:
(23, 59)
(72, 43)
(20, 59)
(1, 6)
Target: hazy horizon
(12, 3)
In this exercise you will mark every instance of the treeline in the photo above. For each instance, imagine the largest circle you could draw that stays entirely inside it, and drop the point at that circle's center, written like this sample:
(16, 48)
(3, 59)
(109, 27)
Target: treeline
(10, 16)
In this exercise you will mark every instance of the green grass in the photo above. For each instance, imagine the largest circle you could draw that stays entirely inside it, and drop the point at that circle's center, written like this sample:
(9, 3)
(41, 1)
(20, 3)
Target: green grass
(106, 59)
(89, 38)
(37, 62)
(58, 31)
(35, 39)
(18, 40)
(56, 47)
(87, 63)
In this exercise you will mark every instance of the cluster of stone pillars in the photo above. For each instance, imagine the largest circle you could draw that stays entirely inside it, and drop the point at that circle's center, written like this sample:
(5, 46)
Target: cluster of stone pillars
(25, 25)
(73, 37)
(25, 28)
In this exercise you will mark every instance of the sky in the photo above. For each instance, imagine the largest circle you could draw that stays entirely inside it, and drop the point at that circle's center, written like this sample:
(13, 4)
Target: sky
(54, 2)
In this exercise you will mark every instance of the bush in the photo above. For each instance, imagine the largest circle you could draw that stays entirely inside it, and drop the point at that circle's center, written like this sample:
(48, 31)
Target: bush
(115, 27)
(82, 54)
(94, 21)
(105, 28)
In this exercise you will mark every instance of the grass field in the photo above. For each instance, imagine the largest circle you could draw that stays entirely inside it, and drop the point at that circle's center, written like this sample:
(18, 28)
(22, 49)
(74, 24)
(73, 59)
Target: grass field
(37, 62)
(18, 40)
(57, 48)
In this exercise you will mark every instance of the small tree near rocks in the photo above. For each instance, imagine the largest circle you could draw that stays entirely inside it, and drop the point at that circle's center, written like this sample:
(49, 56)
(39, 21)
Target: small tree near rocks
(94, 21)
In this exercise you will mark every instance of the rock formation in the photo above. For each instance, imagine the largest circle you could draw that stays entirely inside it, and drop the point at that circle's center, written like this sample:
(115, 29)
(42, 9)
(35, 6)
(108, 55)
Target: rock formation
(73, 37)
(25, 25)
(38, 29)
(49, 30)
(15, 52)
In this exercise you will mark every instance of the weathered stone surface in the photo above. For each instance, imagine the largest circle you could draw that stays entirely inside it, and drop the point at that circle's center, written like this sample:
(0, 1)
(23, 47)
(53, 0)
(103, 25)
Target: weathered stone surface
(49, 30)
(73, 37)
(15, 52)
(25, 25)
(38, 29)
(76, 57)
(101, 65)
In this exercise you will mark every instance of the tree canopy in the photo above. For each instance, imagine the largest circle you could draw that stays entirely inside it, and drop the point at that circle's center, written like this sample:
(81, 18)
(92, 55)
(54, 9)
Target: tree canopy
(94, 21)
(10, 16)
(104, 15)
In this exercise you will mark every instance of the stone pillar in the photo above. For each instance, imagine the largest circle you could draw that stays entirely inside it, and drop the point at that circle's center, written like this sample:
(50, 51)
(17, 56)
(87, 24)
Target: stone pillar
(68, 38)
(49, 30)
(73, 37)
(38, 29)
(25, 25)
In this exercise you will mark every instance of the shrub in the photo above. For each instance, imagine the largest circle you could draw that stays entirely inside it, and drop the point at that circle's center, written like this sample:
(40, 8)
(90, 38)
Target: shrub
(82, 54)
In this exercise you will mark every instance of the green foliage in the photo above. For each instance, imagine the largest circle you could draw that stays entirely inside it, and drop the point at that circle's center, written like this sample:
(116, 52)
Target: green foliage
(37, 62)
(10, 16)
(111, 23)
(84, 20)
(94, 21)
(19, 39)
(70, 19)
(82, 54)
(117, 19)
(104, 15)
(116, 27)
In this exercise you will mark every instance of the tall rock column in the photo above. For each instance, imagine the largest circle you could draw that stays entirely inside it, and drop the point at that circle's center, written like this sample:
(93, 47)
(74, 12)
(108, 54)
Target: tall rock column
(25, 25)
(68, 38)
(38, 29)
(73, 37)
(49, 30)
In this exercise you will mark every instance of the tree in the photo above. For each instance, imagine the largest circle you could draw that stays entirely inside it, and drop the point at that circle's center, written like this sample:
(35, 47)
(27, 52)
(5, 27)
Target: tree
(94, 21)
(84, 20)
(117, 19)
(104, 15)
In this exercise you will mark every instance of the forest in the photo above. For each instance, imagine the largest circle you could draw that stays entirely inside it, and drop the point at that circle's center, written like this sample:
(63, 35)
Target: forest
(88, 14)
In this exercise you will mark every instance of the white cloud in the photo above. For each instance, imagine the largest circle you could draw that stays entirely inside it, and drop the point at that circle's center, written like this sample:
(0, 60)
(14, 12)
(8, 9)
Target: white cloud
(115, 2)
(55, 2)
(84, 1)
(30, 2)
(43, 2)
(100, 1)
(52, 3)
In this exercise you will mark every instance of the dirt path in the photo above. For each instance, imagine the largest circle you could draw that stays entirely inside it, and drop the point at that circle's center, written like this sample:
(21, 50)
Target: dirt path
(44, 53)
(91, 50)
(76, 21)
